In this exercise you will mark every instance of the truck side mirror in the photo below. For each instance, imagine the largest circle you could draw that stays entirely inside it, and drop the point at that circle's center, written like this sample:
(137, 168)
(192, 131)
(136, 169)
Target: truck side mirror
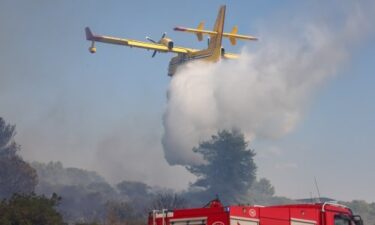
(358, 220)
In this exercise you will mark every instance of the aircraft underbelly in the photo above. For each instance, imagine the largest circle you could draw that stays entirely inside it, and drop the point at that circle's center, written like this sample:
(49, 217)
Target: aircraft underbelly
(183, 59)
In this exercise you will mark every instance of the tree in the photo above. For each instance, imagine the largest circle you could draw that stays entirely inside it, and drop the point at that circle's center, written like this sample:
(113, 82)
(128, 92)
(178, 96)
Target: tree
(168, 200)
(8, 146)
(120, 213)
(30, 209)
(139, 195)
(263, 187)
(133, 189)
(16, 176)
(81, 204)
(229, 170)
(366, 210)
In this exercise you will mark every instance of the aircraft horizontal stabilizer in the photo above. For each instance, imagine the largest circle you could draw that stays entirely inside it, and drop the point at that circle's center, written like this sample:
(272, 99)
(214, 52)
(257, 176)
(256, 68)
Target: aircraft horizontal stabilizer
(233, 36)
(232, 39)
(200, 27)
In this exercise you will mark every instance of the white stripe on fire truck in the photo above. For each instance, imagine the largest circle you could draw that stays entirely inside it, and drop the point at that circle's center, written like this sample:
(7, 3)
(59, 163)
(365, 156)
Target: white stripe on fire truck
(244, 218)
(188, 219)
(303, 220)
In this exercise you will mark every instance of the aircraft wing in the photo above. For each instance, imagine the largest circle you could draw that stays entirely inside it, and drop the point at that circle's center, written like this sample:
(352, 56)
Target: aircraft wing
(144, 45)
(135, 43)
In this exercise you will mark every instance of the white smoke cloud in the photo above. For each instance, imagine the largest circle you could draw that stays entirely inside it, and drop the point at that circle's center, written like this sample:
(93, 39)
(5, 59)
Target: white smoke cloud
(264, 93)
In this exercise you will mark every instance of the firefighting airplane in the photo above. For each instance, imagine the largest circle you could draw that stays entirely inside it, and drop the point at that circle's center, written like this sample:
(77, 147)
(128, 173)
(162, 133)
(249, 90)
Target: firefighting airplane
(213, 53)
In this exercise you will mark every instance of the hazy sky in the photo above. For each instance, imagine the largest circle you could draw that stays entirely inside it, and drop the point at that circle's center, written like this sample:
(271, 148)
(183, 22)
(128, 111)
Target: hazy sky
(104, 111)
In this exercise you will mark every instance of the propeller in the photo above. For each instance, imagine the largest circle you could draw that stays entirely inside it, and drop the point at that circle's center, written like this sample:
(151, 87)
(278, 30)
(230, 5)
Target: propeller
(148, 38)
(156, 42)
(153, 54)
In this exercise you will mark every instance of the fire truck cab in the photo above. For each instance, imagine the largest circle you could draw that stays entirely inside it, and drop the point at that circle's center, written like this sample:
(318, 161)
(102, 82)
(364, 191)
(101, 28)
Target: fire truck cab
(215, 213)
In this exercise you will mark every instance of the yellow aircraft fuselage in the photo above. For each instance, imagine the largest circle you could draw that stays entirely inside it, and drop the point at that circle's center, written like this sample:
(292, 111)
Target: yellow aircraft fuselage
(213, 53)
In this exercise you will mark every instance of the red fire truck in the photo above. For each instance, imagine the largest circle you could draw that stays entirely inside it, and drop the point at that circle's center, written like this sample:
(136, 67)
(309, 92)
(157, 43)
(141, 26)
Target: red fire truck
(215, 213)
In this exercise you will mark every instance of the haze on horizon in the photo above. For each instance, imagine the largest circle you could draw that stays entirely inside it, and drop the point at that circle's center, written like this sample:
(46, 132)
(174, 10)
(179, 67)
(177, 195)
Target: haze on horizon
(104, 112)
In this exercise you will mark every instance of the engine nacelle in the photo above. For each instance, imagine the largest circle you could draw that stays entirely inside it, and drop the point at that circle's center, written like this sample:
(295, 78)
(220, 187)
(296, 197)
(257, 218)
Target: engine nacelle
(167, 42)
(222, 51)
(92, 49)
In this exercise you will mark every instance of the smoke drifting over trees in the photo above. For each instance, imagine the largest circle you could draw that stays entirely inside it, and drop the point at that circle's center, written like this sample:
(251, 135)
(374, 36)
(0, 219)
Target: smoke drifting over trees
(127, 133)
(264, 94)
(86, 198)
(266, 91)
(54, 173)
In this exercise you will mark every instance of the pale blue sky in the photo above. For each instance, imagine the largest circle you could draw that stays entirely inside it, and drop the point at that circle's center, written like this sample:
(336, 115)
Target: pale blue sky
(70, 105)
